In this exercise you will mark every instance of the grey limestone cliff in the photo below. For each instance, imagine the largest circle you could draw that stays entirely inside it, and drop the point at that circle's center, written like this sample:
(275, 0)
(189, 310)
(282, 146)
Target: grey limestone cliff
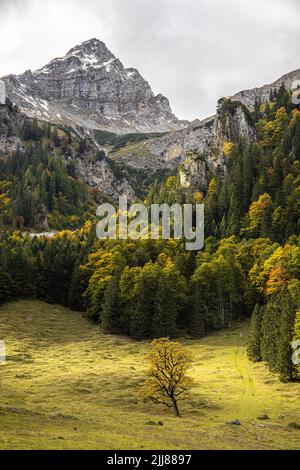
(89, 87)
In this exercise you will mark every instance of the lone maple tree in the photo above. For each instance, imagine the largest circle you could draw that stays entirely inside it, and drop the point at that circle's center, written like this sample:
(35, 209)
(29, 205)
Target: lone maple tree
(167, 382)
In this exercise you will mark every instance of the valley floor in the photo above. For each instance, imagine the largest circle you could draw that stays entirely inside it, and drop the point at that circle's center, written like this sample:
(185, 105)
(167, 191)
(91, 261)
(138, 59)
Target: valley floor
(65, 385)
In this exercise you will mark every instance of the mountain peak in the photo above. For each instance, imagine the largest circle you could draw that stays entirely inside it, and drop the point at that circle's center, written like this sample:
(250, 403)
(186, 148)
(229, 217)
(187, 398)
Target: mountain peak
(93, 47)
(91, 54)
(89, 87)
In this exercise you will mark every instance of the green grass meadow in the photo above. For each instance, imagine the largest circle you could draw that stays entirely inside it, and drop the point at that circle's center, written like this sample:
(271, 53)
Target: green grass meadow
(65, 385)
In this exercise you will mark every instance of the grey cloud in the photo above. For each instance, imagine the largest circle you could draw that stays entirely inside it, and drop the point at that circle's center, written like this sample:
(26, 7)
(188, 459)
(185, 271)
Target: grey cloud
(191, 51)
(12, 4)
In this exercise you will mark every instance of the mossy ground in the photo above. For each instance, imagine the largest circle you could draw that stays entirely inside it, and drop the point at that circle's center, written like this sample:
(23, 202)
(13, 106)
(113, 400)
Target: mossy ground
(65, 385)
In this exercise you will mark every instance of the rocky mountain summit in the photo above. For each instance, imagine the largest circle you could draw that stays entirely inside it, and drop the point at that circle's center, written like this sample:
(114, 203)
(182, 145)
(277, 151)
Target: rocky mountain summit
(248, 97)
(89, 87)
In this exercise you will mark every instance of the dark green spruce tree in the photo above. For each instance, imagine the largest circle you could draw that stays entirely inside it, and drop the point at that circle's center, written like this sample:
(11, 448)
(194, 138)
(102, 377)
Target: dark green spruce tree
(112, 306)
(197, 313)
(5, 286)
(285, 366)
(254, 340)
(270, 332)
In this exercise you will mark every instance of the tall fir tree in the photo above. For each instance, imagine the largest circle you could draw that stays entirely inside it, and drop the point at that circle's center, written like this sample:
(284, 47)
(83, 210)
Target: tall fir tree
(6, 287)
(112, 306)
(285, 366)
(254, 340)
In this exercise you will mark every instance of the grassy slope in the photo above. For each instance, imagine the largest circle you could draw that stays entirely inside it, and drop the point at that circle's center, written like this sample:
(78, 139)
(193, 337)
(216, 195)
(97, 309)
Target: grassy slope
(67, 386)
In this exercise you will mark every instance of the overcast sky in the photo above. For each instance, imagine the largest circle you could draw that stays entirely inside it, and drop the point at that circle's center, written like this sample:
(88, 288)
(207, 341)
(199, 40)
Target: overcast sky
(192, 51)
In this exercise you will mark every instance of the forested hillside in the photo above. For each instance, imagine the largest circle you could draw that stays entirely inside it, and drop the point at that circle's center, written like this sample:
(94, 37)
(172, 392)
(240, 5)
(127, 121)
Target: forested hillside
(146, 289)
(39, 184)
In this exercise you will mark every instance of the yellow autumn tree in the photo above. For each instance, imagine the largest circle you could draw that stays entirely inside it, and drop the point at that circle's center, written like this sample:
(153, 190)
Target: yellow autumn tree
(170, 182)
(258, 209)
(279, 125)
(212, 187)
(278, 278)
(278, 270)
(198, 197)
(227, 148)
(295, 117)
(167, 382)
(271, 132)
(4, 199)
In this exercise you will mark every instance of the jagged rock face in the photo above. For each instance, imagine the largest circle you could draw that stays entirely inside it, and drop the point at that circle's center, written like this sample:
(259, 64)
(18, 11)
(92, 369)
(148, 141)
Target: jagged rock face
(99, 175)
(168, 152)
(232, 123)
(172, 148)
(227, 126)
(90, 87)
(199, 149)
(248, 97)
(10, 123)
(2, 92)
(193, 172)
(10, 144)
